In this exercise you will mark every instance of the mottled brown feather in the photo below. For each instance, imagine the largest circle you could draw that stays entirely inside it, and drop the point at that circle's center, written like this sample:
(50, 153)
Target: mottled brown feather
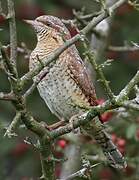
(81, 75)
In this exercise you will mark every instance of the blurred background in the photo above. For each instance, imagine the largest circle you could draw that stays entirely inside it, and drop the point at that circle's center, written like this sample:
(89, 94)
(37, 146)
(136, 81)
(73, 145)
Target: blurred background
(20, 161)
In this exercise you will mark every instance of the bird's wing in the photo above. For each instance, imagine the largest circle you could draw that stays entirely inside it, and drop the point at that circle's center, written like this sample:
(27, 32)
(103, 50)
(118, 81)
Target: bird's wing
(81, 75)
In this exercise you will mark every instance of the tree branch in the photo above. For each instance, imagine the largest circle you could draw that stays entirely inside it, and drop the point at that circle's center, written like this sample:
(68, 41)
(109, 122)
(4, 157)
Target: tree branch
(99, 71)
(13, 37)
(84, 172)
(82, 17)
(123, 48)
(105, 13)
(1, 11)
(47, 161)
(8, 64)
(125, 92)
(9, 132)
(131, 105)
(7, 97)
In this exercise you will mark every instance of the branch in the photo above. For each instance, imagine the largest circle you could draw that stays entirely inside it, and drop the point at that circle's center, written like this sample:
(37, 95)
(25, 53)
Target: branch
(8, 63)
(99, 71)
(68, 43)
(13, 37)
(35, 83)
(12, 126)
(123, 48)
(84, 172)
(125, 92)
(81, 17)
(7, 97)
(1, 11)
(47, 160)
(102, 16)
(33, 125)
(131, 105)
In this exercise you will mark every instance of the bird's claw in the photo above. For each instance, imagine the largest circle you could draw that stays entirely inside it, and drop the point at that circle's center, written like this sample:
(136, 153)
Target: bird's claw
(53, 126)
(71, 123)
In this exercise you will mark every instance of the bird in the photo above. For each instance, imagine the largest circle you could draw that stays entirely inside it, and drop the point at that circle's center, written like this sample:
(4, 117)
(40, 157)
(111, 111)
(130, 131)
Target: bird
(65, 84)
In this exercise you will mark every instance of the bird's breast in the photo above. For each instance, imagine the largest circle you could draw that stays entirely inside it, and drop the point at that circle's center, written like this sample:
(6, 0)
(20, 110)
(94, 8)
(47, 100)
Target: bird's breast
(60, 92)
(58, 88)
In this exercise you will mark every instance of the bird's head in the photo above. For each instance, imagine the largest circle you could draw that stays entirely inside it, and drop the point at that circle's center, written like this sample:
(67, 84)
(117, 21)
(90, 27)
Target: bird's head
(43, 25)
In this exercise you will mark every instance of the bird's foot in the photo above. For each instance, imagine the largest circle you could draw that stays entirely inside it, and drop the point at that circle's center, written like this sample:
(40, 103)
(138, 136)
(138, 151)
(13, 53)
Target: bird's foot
(55, 125)
(71, 123)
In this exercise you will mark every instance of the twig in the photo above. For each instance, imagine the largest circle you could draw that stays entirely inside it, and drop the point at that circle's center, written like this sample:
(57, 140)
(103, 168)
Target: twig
(36, 82)
(81, 173)
(125, 92)
(123, 48)
(78, 17)
(47, 161)
(99, 72)
(13, 37)
(90, 16)
(24, 50)
(33, 125)
(8, 63)
(135, 4)
(1, 11)
(57, 52)
(82, 17)
(7, 97)
(131, 105)
(9, 132)
(105, 14)
(31, 89)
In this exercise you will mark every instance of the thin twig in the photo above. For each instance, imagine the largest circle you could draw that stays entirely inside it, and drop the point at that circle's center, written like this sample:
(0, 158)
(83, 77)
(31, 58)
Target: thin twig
(99, 71)
(13, 36)
(123, 48)
(103, 15)
(81, 173)
(35, 83)
(31, 89)
(1, 11)
(7, 97)
(125, 92)
(82, 17)
(8, 63)
(10, 130)
(131, 105)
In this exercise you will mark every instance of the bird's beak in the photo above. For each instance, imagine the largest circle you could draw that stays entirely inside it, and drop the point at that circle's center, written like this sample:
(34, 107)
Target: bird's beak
(30, 22)
(34, 24)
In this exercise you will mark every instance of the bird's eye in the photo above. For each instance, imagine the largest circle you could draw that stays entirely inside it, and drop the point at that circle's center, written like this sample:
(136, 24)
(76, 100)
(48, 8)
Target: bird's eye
(48, 24)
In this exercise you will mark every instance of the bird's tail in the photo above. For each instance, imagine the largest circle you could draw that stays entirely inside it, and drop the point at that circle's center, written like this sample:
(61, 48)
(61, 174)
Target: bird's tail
(111, 152)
